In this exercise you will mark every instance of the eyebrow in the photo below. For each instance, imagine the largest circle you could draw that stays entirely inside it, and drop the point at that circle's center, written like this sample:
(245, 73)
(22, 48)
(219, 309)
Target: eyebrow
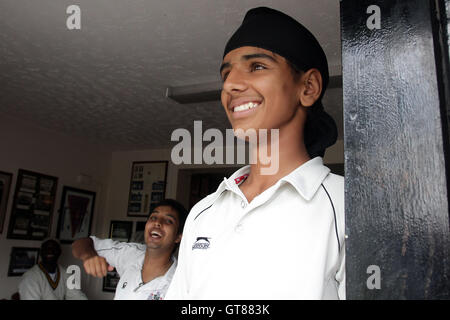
(249, 57)
(168, 215)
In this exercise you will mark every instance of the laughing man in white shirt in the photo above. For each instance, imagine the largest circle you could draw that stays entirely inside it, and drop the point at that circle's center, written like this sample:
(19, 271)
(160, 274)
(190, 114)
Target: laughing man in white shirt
(145, 270)
(278, 236)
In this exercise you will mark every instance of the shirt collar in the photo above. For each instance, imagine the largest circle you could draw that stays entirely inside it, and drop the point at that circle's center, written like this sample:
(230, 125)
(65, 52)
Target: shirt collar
(230, 183)
(235, 179)
(306, 179)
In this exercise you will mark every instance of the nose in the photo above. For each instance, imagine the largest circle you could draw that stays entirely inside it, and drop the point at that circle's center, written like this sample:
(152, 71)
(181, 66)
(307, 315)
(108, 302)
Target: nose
(157, 223)
(235, 81)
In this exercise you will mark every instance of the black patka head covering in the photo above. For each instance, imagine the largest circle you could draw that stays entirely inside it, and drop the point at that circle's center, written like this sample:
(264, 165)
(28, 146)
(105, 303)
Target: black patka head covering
(275, 31)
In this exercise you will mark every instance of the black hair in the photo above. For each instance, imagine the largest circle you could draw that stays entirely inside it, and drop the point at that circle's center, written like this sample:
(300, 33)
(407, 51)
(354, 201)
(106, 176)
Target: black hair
(178, 207)
(295, 70)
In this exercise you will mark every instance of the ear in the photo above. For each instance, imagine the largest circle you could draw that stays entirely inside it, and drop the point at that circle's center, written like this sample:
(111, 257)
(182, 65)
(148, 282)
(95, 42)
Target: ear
(310, 87)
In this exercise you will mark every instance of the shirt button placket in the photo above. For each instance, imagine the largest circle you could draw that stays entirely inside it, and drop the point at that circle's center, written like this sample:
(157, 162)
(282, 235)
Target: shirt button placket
(239, 227)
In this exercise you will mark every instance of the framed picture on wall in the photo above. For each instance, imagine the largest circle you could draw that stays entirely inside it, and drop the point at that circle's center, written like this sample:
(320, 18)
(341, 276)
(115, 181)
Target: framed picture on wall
(5, 185)
(75, 214)
(121, 230)
(22, 259)
(147, 187)
(32, 210)
(138, 234)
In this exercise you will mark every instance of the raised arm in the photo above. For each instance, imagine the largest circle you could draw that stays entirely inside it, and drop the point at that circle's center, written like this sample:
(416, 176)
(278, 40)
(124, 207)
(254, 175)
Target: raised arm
(94, 264)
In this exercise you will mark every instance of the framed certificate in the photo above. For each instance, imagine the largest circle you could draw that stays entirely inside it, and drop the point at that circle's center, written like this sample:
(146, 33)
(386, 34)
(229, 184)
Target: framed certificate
(32, 210)
(121, 230)
(22, 259)
(147, 187)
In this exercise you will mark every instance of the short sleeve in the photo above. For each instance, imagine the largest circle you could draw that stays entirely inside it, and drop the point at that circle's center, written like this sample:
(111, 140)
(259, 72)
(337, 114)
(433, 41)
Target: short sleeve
(120, 255)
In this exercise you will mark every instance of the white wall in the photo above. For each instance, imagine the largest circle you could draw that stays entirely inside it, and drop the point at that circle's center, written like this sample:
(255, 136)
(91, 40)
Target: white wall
(26, 146)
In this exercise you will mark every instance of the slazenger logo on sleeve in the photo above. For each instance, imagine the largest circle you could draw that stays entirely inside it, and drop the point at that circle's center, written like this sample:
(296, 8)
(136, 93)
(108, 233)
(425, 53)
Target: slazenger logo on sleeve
(201, 243)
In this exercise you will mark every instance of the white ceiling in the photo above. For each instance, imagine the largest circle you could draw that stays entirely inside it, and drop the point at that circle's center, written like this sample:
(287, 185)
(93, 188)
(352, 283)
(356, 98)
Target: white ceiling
(106, 82)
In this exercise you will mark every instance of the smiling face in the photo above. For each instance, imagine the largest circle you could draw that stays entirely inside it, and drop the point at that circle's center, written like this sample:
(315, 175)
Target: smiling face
(161, 229)
(259, 90)
(50, 252)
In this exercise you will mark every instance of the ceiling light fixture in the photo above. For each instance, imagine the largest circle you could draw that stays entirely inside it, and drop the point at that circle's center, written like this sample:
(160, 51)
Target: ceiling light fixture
(195, 93)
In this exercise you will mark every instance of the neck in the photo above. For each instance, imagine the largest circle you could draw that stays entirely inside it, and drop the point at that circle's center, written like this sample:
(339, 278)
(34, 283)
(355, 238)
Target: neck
(155, 264)
(287, 152)
(49, 267)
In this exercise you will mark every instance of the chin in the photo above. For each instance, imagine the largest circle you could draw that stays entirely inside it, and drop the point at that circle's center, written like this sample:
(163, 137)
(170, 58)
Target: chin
(244, 127)
(248, 131)
(152, 246)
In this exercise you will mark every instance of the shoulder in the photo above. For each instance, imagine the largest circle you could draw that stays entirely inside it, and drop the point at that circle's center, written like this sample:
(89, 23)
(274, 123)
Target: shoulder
(32, 271)
(205, 202)
(334, 183)
(32, 274)
(200, 206)
(130, 250)
(133, 247)
(210, 199)
(102, 245)
(120, 254)
(334, 186)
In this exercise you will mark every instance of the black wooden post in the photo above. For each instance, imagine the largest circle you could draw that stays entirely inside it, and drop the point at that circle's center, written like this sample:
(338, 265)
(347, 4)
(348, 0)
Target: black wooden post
(396, 149)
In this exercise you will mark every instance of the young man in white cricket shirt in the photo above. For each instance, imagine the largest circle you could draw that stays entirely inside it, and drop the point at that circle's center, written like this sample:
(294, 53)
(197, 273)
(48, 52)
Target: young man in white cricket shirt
(145, 270)
(279, 235)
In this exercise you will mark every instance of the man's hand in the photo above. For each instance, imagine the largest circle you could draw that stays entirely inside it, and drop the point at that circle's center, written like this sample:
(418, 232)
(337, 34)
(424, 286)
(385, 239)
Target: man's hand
(94, 265)
(97, 266)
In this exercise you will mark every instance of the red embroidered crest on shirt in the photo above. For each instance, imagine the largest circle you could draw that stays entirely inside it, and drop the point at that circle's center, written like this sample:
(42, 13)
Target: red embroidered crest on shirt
(241, 178)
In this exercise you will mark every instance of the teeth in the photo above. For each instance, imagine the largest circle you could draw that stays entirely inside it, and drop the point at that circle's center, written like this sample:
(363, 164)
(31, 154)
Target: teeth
(154, 233)
(249, 105)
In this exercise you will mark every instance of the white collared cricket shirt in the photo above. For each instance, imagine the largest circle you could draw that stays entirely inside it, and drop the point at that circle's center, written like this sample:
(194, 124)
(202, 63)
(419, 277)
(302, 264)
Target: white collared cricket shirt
(287, 243)
(128, 259)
